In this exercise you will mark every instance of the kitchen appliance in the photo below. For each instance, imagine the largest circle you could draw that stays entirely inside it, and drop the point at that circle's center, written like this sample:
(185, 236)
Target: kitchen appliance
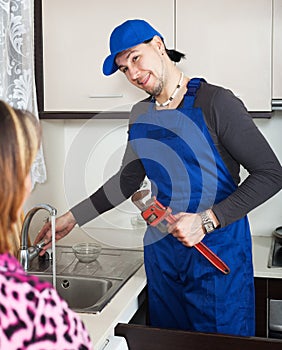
(275, 253)
(275, 319)
(275, 304)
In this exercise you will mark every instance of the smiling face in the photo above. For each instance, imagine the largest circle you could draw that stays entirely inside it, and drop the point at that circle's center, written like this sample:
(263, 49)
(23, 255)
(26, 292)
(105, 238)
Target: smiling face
(144, 66)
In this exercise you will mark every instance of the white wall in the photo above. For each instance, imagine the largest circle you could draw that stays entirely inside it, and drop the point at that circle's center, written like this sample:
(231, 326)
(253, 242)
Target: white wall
(80, 155)
(269, 215)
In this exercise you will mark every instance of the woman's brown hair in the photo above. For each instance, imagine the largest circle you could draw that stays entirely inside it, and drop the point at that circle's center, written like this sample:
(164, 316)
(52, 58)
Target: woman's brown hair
(19, 142)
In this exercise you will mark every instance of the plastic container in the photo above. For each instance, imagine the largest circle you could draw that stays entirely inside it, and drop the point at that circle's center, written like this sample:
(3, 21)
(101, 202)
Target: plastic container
(87, 252)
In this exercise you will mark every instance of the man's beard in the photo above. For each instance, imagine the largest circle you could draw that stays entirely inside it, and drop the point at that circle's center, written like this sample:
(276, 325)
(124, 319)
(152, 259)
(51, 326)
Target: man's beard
(156, 90)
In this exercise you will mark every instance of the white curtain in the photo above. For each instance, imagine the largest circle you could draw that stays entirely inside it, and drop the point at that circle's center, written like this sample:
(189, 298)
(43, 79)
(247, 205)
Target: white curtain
(17, 83)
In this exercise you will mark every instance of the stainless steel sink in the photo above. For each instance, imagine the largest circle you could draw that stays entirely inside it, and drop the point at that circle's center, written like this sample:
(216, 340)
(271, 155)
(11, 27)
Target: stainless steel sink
(83, 294)
(89, 287)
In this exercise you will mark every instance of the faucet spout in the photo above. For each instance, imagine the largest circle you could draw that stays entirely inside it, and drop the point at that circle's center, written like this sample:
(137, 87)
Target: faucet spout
(27, 254)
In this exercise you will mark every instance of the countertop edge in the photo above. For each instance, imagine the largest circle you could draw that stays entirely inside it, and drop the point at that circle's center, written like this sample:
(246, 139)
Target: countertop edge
(120, 309)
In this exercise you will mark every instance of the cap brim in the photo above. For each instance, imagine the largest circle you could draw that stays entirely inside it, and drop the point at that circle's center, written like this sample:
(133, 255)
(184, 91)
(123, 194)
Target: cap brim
(109, 66)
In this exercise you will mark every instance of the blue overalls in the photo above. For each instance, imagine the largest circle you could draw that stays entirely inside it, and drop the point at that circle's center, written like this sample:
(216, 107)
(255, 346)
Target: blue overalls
(187, 173)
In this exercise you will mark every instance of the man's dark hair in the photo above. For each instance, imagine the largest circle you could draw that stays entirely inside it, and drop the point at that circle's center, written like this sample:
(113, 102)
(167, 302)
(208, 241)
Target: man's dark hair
(174, 55)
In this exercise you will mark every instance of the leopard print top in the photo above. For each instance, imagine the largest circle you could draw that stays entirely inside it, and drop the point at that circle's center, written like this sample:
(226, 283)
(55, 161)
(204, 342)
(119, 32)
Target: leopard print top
(32, 314)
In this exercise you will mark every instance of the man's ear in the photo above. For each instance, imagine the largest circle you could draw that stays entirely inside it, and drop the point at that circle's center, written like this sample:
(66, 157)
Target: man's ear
(158, 42)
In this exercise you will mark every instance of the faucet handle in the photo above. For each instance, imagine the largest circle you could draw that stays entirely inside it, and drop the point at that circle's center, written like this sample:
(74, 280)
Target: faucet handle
(41, 244)
(48, 254)
(34, 250)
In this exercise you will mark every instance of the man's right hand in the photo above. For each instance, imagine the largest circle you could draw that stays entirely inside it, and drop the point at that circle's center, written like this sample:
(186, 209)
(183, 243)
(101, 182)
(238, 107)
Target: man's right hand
(64, 224)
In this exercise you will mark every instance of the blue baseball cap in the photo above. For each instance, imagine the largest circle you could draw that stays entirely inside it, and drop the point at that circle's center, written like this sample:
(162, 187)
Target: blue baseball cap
(128, 34)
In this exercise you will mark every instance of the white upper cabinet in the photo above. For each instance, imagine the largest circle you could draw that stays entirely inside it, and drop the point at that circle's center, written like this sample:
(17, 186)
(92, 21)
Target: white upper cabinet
(229, 43)
(277, 50)
(75, 44)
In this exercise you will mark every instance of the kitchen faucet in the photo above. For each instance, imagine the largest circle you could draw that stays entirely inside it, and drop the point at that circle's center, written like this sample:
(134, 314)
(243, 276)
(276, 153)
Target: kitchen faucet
(27, 254)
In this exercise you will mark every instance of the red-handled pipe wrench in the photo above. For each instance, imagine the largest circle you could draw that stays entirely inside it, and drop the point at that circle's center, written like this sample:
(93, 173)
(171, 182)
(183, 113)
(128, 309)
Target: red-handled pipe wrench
(154, 213)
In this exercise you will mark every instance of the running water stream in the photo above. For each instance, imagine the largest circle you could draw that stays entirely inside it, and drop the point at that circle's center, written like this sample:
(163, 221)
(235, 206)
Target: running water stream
(53, 232)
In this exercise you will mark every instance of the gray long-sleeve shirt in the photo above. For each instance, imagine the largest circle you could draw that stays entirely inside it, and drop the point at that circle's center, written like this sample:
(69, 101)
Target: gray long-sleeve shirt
(238, 141)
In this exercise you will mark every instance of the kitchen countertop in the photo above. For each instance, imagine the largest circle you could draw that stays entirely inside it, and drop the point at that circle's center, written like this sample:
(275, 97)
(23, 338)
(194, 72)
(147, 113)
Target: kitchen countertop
(125, 303)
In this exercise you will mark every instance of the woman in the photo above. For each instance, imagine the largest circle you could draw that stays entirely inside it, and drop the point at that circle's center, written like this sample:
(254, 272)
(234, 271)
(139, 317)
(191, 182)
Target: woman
(32, 314)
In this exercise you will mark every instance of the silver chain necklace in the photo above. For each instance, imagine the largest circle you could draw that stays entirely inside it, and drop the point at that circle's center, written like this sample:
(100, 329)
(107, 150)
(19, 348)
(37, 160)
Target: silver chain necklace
(167, 102)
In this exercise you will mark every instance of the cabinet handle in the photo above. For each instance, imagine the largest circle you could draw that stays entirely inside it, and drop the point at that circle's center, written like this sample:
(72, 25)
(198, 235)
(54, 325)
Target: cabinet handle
(276, 104)
(106, 96)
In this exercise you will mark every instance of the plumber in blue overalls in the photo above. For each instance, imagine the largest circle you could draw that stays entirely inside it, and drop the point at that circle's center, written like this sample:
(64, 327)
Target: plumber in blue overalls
(187, 173)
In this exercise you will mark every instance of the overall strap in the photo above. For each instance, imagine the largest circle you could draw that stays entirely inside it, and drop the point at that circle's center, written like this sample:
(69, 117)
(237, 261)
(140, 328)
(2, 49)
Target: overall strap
(190, 95)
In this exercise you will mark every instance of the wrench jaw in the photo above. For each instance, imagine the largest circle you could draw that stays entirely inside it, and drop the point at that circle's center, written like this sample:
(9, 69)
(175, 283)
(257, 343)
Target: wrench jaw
(153, 212)
(137, 199)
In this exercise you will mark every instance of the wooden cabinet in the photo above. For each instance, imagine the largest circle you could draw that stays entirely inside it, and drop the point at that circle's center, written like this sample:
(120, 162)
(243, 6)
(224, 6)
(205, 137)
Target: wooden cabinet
(75, 44)
(274, 305)
(266, 289)
(277, 52)
(275, 289)
(261, 307)
(229, 44)
(141, 337)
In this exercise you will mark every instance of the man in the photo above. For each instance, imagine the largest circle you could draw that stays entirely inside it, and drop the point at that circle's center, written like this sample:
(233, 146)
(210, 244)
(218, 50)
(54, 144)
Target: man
(189, 138)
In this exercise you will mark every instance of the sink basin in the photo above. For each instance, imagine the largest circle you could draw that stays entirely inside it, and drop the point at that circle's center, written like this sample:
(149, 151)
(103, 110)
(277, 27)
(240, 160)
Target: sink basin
(81, 292)
(88, 288)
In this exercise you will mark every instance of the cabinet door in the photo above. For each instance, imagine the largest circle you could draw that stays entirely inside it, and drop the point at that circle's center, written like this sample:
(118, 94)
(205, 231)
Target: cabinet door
(229, 44)
(275, 289)
(75, 44)
(277, 50)
(261, 306)
(275, 308)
